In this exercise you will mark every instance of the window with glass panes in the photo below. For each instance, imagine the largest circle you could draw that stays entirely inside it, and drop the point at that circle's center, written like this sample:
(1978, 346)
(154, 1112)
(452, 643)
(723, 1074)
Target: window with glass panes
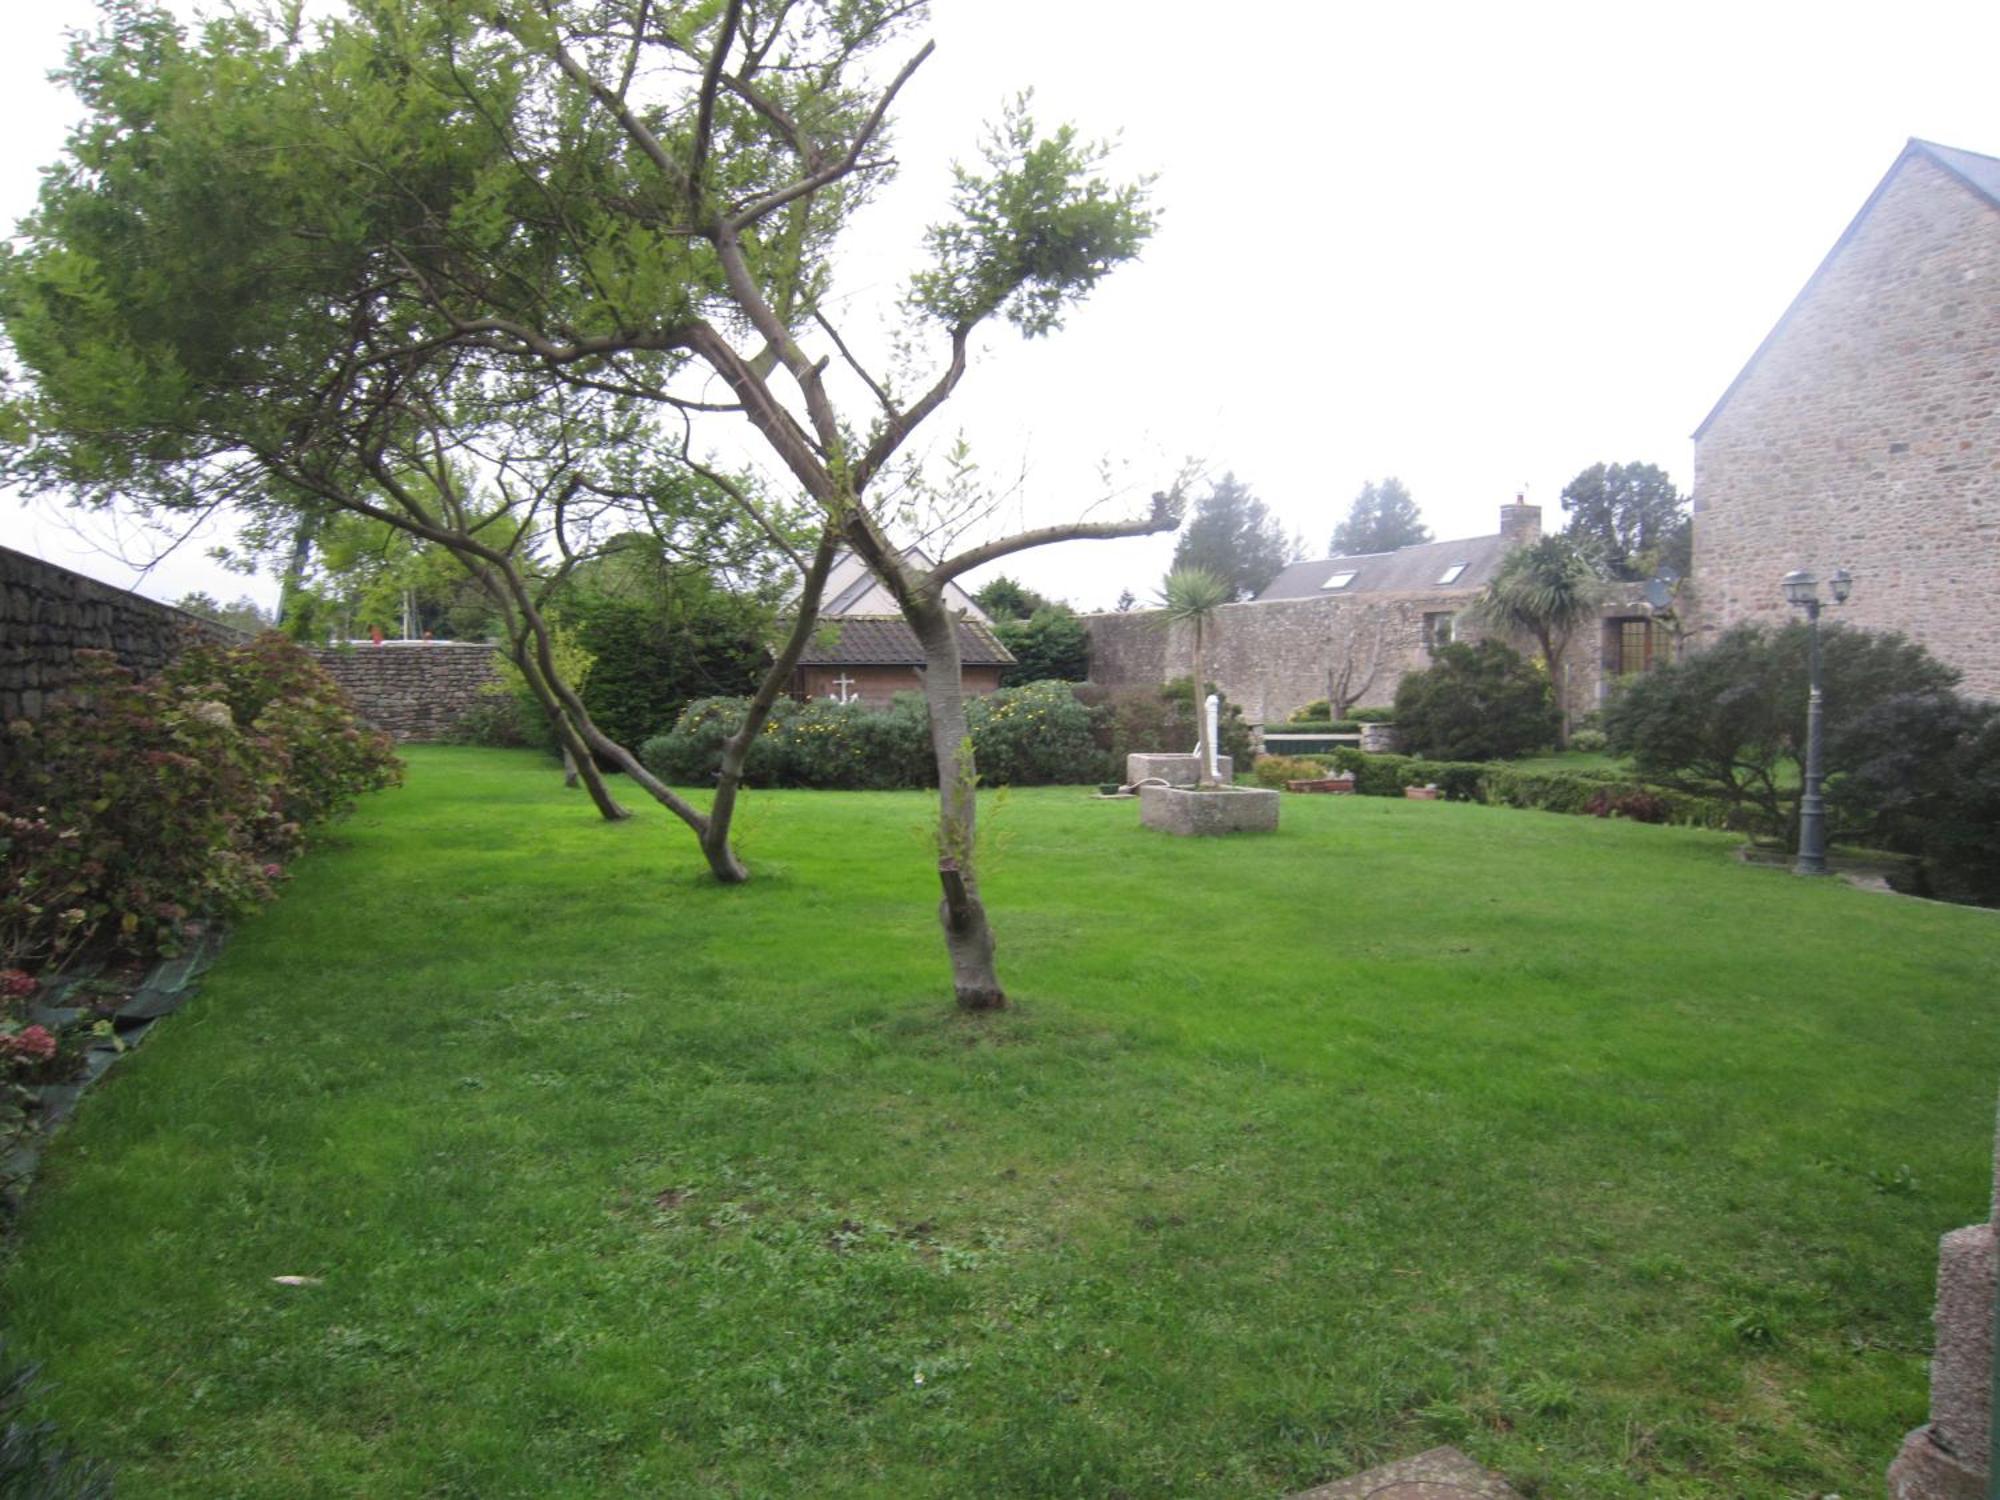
(1639, 645)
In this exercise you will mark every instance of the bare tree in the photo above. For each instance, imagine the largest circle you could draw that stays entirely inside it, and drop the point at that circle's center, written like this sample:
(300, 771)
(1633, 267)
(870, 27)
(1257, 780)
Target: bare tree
(1354, 656)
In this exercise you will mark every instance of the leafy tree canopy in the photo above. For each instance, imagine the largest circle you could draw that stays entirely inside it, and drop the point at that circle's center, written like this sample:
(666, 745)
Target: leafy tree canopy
(1006, 599)
(1050, 644)
(1382, 518)
(1233, 535)
(432, 262)
(1546, 590)
(246, 614)
(1628, 520)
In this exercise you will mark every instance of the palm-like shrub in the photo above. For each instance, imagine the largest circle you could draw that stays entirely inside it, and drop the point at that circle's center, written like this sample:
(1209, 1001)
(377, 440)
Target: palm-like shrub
(1191, 597)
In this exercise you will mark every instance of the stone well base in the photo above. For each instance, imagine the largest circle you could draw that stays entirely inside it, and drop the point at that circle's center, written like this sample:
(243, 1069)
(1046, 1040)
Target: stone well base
(1175, 770)
(1924, 1471)
(1178, 810)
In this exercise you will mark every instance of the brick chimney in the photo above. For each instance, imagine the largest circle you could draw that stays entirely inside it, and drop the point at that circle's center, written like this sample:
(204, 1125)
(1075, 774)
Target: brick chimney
(1521, 523)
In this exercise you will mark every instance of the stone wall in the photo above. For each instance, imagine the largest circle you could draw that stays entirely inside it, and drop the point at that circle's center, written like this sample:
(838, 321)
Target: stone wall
(1276, 655)
(417, 690)
(1864, 435)
(48, 614)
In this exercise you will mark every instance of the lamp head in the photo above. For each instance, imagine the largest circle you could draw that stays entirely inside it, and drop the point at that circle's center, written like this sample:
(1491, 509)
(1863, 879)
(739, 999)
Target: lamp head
(1800, 587)
(1842, 584)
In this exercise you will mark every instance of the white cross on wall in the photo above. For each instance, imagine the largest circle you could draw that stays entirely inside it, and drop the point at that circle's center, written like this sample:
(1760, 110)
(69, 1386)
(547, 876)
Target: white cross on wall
(844, 686)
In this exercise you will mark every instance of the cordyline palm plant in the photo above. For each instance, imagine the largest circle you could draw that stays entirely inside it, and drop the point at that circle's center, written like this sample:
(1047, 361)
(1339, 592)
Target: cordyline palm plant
(1546, 589)
(1191, 596)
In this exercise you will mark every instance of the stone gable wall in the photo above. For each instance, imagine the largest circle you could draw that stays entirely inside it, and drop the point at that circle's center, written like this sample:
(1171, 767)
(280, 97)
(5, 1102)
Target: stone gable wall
(416, 690)
(1867, 435)
(48, 614)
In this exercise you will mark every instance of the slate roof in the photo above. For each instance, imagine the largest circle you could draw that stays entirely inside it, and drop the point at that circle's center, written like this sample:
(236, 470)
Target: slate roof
(1407, 570)
(888, 641)
(1979, 173)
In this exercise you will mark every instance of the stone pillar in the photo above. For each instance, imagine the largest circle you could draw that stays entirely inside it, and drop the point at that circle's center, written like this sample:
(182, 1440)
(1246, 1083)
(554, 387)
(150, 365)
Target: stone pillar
(1379, 739)
(1948, 1458)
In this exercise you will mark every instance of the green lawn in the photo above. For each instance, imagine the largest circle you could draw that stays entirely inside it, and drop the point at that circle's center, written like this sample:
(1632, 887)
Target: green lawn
(1572, 760)
(1572, 1142)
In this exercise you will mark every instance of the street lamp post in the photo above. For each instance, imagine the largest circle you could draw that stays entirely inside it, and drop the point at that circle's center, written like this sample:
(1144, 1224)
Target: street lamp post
(1802, 590)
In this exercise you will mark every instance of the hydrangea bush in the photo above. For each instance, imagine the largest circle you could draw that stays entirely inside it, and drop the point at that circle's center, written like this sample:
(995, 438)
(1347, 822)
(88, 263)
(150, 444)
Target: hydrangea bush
(135, 806)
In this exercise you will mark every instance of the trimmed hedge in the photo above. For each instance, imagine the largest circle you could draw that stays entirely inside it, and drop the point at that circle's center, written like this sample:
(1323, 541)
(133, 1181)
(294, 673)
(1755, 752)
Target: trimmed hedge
(1316, 726)
(1036, 734)
(1596, 793)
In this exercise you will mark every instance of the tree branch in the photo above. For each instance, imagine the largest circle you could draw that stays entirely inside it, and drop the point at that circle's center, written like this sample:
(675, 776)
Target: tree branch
(704, 120)
(899, 428)
(1165, 516)
(812, 182)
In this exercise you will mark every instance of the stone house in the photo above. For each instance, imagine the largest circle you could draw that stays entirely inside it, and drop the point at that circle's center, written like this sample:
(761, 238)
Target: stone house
(865, 652)
(1369, 619)
(1863, 433)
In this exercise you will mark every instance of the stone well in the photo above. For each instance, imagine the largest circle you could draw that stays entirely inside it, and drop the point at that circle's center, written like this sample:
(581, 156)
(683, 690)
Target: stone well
(1196, 813)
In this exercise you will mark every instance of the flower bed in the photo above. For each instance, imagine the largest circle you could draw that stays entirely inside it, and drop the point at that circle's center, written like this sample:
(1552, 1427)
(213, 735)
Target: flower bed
(136, 816)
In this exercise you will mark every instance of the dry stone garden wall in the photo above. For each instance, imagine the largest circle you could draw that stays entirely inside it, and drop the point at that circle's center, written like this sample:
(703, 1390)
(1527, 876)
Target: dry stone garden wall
(416, 690)
(48, 614)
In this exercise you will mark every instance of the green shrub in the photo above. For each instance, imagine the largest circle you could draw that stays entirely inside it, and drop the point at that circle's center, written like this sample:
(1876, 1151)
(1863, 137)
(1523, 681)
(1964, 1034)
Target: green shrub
(1580, 792)
(1315, 726)
(1600, 793)
(1051, 644)
(1476, 702)
(1276, 770)
(133, 806)
(1459, 780)
(1928, 766)
(1590, 741)
(297, 717)
(1730, 722)
(649, 658)
(1035, 735)
(1031, 735)
(1376, 775)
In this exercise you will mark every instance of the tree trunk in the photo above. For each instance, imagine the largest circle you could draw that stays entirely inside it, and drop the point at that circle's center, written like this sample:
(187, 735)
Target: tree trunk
(1553, 649)
(736, 749)
(578, 763)
(968, 939)
(292, 584)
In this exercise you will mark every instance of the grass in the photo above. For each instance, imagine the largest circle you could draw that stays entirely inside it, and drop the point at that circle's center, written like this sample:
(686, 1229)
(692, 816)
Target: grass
(1571, 760)
(1572, 1142)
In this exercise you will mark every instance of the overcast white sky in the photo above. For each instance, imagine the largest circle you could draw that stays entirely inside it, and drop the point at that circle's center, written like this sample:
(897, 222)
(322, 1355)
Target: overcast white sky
(1479, 247)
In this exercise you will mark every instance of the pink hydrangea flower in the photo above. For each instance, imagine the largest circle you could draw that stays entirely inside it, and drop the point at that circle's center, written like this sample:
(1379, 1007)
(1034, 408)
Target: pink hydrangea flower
(18, 984)
(37, 1043)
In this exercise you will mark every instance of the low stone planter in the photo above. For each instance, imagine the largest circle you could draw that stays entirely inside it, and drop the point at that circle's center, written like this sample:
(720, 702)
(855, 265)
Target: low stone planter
(1191, 812)
(1422, 793)
(1334, 784)
(1175, 770)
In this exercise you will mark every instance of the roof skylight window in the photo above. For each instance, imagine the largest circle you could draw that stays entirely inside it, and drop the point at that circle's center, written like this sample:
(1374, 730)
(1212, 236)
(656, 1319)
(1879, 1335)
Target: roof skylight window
(1450, 574)
(1338, 581)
